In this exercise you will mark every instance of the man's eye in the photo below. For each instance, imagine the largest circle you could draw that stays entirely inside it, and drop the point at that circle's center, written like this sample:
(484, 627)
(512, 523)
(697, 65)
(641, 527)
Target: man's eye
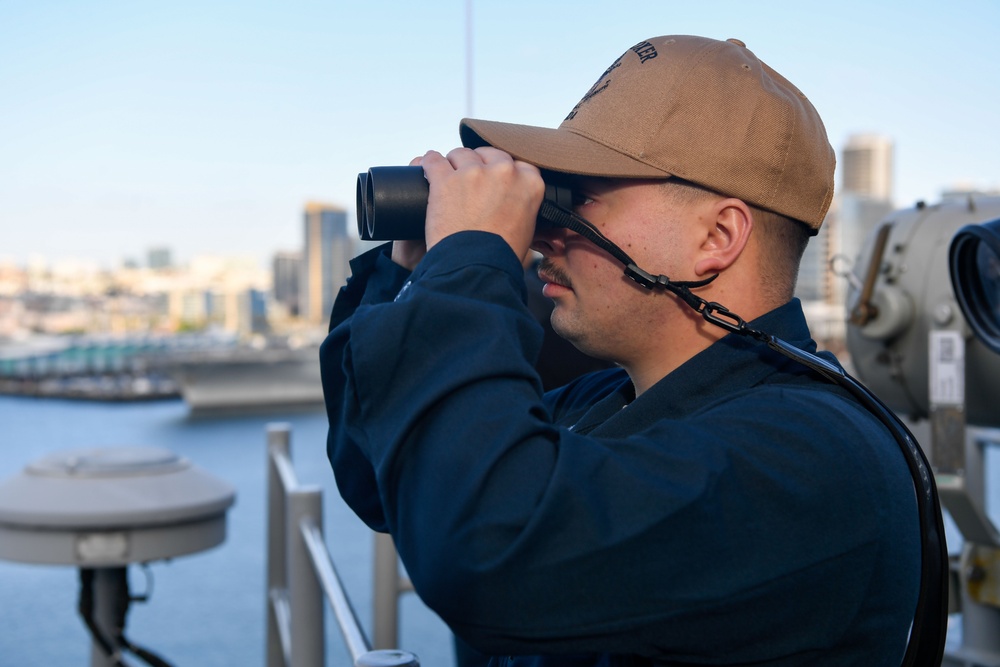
(581, 199)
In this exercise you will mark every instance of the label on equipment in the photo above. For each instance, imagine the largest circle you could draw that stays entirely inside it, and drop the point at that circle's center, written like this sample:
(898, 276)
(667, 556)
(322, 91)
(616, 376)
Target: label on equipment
(947, 368)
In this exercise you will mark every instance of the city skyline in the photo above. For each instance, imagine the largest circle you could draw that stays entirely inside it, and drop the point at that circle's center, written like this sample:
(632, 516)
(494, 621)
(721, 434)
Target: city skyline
(205, 128)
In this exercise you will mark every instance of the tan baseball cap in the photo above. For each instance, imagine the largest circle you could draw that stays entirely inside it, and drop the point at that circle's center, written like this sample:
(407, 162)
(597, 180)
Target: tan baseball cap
(703, 110)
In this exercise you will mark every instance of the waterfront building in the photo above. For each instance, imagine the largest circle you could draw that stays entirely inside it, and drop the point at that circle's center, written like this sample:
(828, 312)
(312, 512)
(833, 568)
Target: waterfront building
(254, 311)
(286, 274)
(230, 293)
(226, 293)
(242, 311)
(13, 278)
(326, 253)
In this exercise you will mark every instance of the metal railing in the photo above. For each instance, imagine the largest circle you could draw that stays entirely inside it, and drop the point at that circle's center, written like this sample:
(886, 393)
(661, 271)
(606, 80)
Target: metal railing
(300, 572)
(389, 586)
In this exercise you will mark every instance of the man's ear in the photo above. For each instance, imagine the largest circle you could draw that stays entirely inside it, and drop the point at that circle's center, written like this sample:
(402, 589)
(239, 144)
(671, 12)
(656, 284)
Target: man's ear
(726, 239)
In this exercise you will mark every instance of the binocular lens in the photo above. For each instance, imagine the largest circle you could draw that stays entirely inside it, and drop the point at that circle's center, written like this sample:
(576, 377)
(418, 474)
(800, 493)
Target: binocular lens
(392, 204)
(362, 207)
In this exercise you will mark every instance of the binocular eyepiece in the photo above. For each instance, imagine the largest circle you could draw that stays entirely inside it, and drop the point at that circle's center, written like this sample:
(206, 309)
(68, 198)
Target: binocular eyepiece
(392, 202)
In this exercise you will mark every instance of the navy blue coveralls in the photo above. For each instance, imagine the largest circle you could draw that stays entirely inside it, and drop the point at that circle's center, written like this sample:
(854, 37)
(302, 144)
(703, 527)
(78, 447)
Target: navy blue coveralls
(739, 512)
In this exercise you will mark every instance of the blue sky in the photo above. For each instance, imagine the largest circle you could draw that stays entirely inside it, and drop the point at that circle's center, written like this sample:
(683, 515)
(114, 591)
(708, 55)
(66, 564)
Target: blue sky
(205, 126)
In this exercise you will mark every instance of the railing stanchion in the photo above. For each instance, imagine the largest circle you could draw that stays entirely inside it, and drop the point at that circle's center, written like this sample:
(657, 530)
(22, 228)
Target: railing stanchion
(278, 446)
(386, 593)
(300, 573)
(305, 596)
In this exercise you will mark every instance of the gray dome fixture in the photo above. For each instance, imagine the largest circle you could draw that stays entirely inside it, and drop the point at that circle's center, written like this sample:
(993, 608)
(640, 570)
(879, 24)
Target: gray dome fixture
(110, 507)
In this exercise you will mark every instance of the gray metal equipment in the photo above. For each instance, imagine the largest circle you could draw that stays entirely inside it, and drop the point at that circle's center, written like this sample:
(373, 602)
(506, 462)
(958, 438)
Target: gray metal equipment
(103, 509)
(924, 335)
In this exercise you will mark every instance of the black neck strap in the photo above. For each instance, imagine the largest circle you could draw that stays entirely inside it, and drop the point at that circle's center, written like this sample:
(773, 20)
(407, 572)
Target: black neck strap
(555, 215)
(930, 621)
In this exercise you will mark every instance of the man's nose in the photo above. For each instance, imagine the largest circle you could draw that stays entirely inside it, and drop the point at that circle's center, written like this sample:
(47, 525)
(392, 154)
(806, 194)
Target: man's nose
(549, 240)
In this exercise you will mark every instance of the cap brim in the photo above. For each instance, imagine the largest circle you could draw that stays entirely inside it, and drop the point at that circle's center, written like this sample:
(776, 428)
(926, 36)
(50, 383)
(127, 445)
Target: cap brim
(555, 149)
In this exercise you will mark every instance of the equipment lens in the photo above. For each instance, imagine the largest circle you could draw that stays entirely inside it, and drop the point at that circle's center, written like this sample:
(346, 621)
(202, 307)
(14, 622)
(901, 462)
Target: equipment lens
(974, 262)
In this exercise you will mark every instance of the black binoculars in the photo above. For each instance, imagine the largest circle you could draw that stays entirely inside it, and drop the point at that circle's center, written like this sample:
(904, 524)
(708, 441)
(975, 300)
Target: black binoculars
(392, 202)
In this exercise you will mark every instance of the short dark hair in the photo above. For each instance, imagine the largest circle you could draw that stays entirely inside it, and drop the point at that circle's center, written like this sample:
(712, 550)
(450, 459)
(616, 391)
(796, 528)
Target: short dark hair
(782, 240)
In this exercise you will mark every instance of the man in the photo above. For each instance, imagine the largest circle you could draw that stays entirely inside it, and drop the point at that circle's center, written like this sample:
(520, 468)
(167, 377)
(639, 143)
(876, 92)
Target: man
(711, 501)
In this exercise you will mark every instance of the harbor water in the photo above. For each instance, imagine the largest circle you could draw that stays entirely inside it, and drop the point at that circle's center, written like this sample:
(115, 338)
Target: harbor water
(205, 609)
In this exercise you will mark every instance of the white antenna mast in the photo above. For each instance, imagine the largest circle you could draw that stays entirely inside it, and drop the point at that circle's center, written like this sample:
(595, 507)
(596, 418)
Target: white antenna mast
(468, 58)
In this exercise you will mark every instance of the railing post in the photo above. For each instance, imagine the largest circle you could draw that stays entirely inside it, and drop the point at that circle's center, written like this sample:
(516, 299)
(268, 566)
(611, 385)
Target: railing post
(386, 593)
(305, 595)
(278, 444)
(279, 441)
(300, 572)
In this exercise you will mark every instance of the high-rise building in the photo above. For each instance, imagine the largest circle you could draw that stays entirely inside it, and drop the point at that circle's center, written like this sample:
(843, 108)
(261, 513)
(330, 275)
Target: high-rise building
(866, 167)
(286, 274)
(325, 258)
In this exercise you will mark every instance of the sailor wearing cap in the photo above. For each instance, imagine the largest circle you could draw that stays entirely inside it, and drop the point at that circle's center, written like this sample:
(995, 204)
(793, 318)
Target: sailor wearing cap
(708, 501)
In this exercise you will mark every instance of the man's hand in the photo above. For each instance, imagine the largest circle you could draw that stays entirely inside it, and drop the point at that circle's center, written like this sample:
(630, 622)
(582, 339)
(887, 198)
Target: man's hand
(483, 189)
(409, 253)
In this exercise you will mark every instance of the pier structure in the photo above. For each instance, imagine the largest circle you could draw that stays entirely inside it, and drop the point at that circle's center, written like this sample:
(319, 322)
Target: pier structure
(98, 367)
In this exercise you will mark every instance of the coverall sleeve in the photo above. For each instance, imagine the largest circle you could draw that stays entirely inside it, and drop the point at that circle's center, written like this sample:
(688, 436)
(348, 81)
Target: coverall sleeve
(375, 278)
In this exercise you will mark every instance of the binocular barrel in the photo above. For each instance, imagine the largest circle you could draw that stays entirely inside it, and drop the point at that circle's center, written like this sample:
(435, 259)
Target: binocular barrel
(392, 202)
